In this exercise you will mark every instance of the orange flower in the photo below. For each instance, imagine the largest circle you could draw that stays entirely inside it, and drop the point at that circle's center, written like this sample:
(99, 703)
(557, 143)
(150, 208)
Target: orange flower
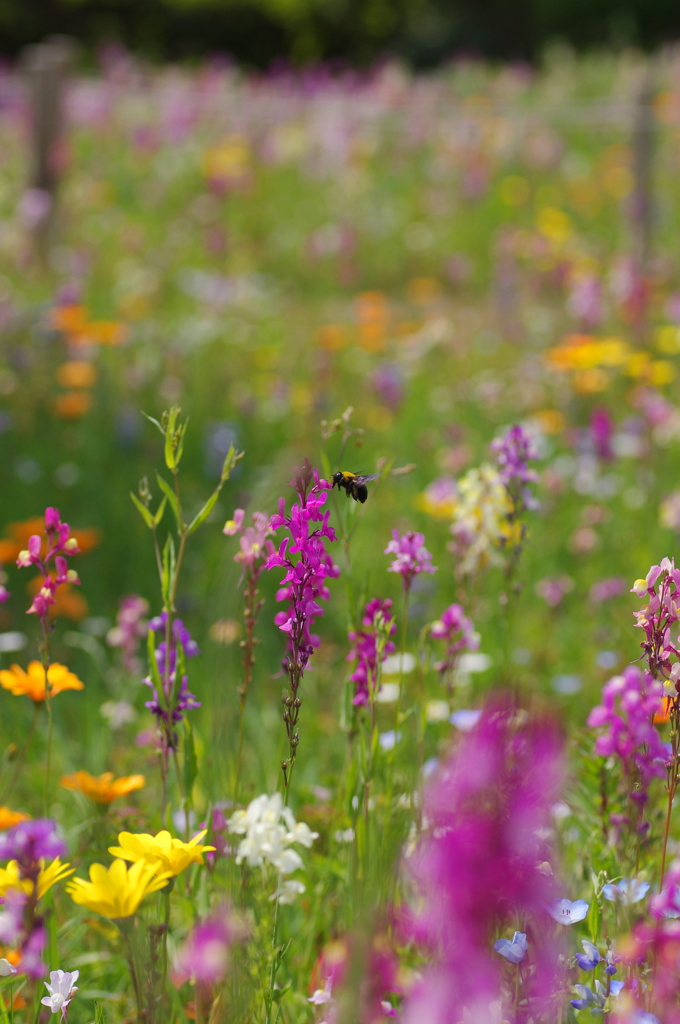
(104, 789)
(72, 404)
(32, 682)
(76, 373)
(8, 819)
(664, 712)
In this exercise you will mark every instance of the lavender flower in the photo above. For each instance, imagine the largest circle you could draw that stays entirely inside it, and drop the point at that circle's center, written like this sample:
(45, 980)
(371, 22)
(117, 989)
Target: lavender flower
(29, 842)
(458, 631)
(565, 912)
(411, 556)
(303, 584)
(514, 950)
(590, 957)
(626, 891)
(371, 647)
(514, 451)
(169, 706)
(130, 628)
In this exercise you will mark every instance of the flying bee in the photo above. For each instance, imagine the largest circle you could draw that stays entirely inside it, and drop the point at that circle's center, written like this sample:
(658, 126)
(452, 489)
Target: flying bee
(354, 484)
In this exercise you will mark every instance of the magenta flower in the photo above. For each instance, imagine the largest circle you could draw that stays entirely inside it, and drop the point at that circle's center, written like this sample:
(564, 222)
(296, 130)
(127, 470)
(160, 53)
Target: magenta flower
(411, 556)
(662, 589)
(59, 544)
(205, 954)
(370, 648)
(606, 589)
(304, 582)
(476, 868)
(629, 703)
(458, 631)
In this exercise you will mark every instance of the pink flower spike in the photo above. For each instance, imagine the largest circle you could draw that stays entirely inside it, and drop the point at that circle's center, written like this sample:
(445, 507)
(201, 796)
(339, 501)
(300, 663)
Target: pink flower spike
(52, 519)
(34, 545)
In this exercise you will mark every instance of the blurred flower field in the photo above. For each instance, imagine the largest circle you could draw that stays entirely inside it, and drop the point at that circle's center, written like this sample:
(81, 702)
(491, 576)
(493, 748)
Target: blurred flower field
(272, 754)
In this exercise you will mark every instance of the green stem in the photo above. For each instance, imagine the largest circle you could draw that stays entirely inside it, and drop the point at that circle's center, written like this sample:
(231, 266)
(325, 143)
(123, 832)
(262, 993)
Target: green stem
(48, 770)
(21, 757)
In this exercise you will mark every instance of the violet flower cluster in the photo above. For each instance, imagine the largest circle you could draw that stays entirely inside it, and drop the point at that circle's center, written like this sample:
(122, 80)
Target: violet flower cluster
(513, 453)
(28, 843)
(483, 861)
(131, 627)
(371, 645)
(411, 556)
(661, 587)
(60, 544)
(304, 582)
(625, 718)
(169, 707)
(458, 632)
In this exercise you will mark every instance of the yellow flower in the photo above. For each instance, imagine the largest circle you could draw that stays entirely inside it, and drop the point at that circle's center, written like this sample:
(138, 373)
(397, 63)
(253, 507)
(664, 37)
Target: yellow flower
(104, 789)
(32, 682)
(10, 877)
(116, 891)
(166, 855)
(8, 819)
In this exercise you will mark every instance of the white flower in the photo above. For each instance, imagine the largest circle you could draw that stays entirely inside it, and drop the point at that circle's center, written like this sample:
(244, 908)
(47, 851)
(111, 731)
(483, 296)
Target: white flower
(6, 968)
(322, 995)
(61, 990)
(288, 890)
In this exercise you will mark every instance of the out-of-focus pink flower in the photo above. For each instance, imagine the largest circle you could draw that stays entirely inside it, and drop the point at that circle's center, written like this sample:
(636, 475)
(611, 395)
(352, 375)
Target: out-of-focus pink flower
(131, 627)
(607, 589)
(479, 865)
(601, 432)
(370, 648)
(205, 954)
(553, 590)
(411, 556)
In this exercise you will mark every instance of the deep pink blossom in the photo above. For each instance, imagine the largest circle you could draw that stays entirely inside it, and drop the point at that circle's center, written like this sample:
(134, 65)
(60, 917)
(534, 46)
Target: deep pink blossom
(370, 647)
(411, 556)
(479, 866)
(60, 543)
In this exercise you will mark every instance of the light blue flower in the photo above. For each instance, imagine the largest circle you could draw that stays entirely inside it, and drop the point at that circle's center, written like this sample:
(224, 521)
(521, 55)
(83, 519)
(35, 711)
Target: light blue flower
(595, 1001)
(465, 719)
(590, 957)
(514, 950)
(626, 891)
(566, 912)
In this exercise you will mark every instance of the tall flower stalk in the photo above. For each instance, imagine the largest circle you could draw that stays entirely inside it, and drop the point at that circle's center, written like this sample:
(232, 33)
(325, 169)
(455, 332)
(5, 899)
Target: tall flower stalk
(50, 558)
(167, 677)
(255, 547)
(303, 585)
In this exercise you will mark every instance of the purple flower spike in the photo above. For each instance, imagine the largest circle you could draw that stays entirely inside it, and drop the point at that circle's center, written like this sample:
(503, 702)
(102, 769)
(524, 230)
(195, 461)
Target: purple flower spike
(513, 452)
(32, 841)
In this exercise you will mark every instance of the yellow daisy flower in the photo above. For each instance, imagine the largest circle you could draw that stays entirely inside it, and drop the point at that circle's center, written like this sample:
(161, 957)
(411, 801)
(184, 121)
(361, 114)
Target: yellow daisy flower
(117, 891)
(168, 856)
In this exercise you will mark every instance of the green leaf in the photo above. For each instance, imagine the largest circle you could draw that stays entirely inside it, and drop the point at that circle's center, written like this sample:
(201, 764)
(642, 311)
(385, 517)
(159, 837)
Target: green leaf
(168, 571)
(205, 511)
(172, 498)
(143, 510)
(190, 764)
(326, 463)
(99, 1014)
(159, 511)
(232, 458)
(155, 422)
(170, 460)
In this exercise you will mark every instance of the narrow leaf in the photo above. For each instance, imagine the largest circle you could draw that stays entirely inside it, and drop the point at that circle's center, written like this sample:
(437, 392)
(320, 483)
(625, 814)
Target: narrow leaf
(205, 511)
(190, 763)
(172, 498)
(143, 510)
(159, 511)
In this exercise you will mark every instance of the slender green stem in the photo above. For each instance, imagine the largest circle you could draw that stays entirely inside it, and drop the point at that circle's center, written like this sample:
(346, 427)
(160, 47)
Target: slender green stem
(48, 769)
(21, 757)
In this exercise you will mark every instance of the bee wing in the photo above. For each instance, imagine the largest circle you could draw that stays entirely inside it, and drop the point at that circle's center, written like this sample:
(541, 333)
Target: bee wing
(363, 479)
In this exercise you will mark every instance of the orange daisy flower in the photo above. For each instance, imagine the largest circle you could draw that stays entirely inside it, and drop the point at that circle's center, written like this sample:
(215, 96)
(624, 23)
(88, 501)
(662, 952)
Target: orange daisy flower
(31, 682)
(104, 789)
(8, 819)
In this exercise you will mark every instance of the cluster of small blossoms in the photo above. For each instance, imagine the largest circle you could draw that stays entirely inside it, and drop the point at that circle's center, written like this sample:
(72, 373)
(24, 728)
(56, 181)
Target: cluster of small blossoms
(411, 556)
(60, 543)
(303, 584)
(130, 628)
(458, 631)
(513, 453)
(661, 587)
(480, 519)
(29, 844)
(270, 830)
(625, 716)
(169, 707)
(254, 542)
(371, 645)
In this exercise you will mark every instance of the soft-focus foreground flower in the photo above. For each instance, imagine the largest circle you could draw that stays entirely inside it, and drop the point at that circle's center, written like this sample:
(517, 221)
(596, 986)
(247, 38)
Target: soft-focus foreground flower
(6, 968)
(116, 891)
(370, 646)
(11, 877)
(165, 854)
(411, 556)
(31, 842)
(481, 862)
(595, 1001)
(8, 818)
(61, 990)
(130, 628)
(103, 789)
(31, 683)
(204, 957)
(270, 830)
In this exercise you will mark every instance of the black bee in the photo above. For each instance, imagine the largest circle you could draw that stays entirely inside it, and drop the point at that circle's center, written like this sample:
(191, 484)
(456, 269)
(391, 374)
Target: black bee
(354, 484)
